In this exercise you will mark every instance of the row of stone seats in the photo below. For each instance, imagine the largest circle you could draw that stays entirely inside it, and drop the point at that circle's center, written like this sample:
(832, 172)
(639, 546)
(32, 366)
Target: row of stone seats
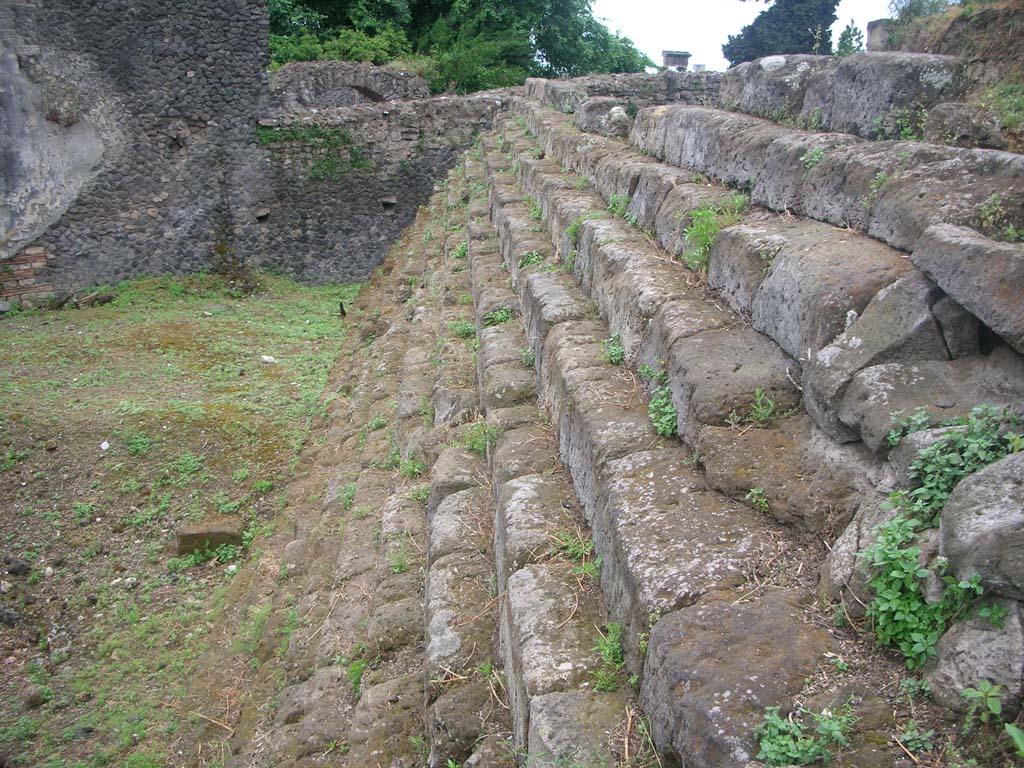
(810, 294)
(673, 550)
(911, 346)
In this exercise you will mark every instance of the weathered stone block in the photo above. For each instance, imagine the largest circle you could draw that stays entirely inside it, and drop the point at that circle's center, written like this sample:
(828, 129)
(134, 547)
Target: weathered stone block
(209, 534)
(712, 669)
(983, 275)
(982, 527)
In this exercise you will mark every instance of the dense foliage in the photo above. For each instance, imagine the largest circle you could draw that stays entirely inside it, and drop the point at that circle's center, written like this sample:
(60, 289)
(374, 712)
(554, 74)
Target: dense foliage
(788, 26)
(460, 45)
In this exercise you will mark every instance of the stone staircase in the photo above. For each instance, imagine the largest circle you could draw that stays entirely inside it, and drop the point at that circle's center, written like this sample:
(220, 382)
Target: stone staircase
(652, 457)
(590, 232)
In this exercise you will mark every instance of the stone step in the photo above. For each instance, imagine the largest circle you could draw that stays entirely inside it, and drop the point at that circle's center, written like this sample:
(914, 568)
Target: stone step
(796, 279)
(826, 93)
(799, 281)
(892, 190)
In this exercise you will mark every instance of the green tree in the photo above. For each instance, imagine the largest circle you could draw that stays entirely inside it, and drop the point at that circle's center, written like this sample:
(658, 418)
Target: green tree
(788, 26)
(467, 44)
(851, 40)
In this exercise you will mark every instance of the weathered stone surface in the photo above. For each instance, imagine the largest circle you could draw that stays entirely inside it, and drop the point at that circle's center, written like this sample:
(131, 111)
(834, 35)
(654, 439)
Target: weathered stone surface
(301, 85)
(548, 301)
(963, 125)
(945, 389)
(774, 86)
(678, 319)
(666, 540)
(525, 451)
(454, 406)
(395, 624)
(547, 637)
(455, 720)
(605, 115)
(456, 469)
(211, 533)
(891, 190)
(597, 422)
(974, 650)
(531, 510)
(452, 524)
(982, 275)
(713, 373)
(982, 527)
(815, 280)
(739, 261)
(576, 726)
(960, 329)
(712, 669)
(871, 89)
(456, 590)
(809, 482)
(493, 751)
(384, 717)
(507, 384)
(897, 324)
(667, 86)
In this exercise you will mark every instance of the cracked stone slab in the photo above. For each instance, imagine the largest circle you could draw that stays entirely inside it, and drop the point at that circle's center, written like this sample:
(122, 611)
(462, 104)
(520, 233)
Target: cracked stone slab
(982, 275)
(666, 540)
(945, 389)
(548, 635)
(531, 510)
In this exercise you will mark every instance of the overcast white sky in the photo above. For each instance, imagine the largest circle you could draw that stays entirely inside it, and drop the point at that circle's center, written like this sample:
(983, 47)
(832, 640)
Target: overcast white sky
(702, 26)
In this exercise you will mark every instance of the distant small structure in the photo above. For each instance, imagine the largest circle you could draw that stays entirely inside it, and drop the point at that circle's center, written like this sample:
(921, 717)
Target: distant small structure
(700, 67)
(880, 35)
(677, 60)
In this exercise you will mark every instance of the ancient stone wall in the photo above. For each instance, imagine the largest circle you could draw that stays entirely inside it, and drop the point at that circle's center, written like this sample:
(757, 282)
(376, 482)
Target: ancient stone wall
(331, 192)
(303, 85)
(121, 160)
(132, 145)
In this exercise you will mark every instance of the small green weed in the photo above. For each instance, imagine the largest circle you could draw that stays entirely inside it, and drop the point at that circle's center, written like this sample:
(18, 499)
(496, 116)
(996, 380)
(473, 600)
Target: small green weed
(412, 466)
(420, 493)
(497, 317)
(613, 658)
(462, 329)
(879, 181)
(758, 501)
(619, 205)
(706, 221)
(398, 559)
(992, 220)
(916, 740)
(984, 703)
(461, 250)
(612, 351)
(480, 436)
(812, 158)
(790, 741)
(347, 496)
(662, 412)
(530, 258)
(528, 357)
